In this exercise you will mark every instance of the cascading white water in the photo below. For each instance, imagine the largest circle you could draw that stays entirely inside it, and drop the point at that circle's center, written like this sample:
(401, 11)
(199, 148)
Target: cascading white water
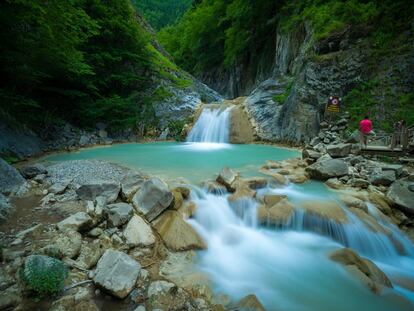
(288, 268)
(212, 126)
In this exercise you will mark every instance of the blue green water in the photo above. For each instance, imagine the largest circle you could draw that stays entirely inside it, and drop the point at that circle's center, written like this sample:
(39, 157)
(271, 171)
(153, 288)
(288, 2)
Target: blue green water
(193, 161)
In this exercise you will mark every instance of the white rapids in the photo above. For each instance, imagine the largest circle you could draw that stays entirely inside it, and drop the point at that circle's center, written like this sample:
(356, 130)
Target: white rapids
(288, 268)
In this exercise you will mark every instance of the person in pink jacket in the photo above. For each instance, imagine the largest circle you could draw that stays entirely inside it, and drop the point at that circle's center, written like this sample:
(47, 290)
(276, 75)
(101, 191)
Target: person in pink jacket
(365, 130)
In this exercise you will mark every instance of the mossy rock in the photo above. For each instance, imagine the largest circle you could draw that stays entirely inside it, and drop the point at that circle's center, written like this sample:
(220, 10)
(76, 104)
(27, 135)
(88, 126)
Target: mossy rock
(44, 275)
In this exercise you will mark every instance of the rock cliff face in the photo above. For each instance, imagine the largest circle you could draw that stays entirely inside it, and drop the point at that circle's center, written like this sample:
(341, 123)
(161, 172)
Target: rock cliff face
(289, 105)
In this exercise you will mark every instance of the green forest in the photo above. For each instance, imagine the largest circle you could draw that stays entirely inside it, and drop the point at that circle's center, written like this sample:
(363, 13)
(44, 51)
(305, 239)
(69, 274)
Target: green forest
(222, 33)
(77, 60)
(84, 61)
(162, 13)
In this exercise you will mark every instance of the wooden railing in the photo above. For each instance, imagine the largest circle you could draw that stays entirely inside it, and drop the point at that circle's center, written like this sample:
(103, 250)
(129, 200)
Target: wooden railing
(403, 138)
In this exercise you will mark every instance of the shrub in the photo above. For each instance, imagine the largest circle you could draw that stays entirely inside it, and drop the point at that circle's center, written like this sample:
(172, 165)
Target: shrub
(44, 275)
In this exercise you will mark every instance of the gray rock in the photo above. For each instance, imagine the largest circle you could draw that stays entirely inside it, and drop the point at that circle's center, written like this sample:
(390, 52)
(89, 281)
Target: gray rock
(152, 198)
(84, 140)
(342, 122)
(315, 141)
(5, 207)
(19, 142)
(354, 137)
(312, 154)
(167, 296)
(68, 244)
(324, 158)
(89, 255)
(10, 298)
(59, 188)
(95, 188)
(130, 185)
(401, 195)
(31, 232)
(77, 222)
(249, 303)
(339, 150)
(31, 171)
(116, 272)
(382, 178)
(11, 181)
(226, 177)
(138, 233)
(103, 134)
(159, 287)
(359, 183)
(397, 168)
(327, 169)
(118, 214)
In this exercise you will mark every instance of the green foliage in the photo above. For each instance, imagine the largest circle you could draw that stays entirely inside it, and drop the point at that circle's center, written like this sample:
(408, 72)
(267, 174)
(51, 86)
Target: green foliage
(220, 33)
(281, 98)
(162, 13)
(217, 33)
(176, 129)
(73, 60)
(335, 15)
(363, 100)
(44, 275)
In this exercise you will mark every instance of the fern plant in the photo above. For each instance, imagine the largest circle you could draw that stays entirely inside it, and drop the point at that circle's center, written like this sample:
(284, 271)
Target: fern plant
(44, 275)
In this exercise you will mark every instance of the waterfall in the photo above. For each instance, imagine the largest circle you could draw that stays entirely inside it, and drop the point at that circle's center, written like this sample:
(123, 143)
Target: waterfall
(212, 126)
(289, 267)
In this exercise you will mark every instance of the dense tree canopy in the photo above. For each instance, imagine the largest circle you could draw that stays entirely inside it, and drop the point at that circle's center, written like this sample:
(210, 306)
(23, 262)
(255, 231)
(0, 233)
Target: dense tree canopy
(81, 60)
(161, 13)
(216, 32)
(223, 32)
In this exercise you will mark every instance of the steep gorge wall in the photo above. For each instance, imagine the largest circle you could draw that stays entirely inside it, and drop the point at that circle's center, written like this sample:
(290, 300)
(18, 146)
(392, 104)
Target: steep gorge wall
(289, 104)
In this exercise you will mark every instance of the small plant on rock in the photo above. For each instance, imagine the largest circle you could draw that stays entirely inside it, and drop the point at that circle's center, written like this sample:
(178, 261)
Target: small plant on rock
(44, 275)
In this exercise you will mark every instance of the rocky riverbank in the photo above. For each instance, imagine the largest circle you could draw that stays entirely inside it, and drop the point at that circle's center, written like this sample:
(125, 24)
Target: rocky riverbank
(121, 233)
(124, 239)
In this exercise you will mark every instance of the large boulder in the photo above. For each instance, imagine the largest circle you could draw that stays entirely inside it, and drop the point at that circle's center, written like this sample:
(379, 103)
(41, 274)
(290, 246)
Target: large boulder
(363, 269)
(11, 181)
(382, 178)
(118, 214)
(177, 234)
(130, 185)
(68, 244)
(163, 295)
(275, 211)
(328, 210)
(242, 191)
(249, 303)
(30, 171)
(89, 254)
(401, 193)
(226, 177)
(117, 273)
(241, 131)
(95, 188)
(77, 222)
(327, 169)
(339, 150)
(310, 154)
(153, 198)
(138, 233)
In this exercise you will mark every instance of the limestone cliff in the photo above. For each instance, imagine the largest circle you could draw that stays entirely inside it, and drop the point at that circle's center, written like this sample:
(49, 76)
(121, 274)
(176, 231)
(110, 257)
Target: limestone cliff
(289, 90)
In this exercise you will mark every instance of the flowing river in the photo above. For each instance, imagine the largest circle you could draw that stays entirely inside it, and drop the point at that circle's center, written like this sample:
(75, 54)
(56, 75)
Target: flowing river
(286, 267)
